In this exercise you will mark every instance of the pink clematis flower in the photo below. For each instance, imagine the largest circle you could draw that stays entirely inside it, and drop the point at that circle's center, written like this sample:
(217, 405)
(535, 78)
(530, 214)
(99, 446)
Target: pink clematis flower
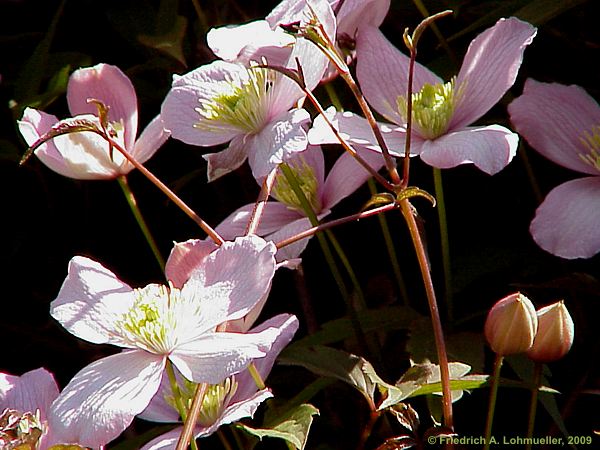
(265, 39)
(442, 112)
(24, 409)
(563, 124)
(155, 324)
(285, 217)
(224, 403)
(250, 108)
(85, 155)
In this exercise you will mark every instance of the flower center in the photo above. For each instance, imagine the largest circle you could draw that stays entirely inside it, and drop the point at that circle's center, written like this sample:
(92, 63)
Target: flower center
(432, 108)
(216, 399)
(305, 175)
(241, 101)
(20, 431)
(591, 142)
(152, 321)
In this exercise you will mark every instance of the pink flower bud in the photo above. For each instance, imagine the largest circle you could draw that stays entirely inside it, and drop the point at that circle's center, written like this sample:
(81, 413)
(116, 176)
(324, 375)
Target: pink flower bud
(511, 325)
(555, 333)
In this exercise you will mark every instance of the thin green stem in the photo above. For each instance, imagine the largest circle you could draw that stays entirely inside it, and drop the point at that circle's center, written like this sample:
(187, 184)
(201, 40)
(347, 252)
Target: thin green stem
(335, 272)
(139, 218)
(438, 34)
(258, 380)
(335, 99)
(537, 378)
(200, 14)
(445, 242)
(492, 404)
(438, 332)
(391, 249)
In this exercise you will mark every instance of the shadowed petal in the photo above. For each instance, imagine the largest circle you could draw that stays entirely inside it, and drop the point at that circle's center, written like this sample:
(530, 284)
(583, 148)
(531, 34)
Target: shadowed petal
(490, 148)
(104, 397)
(185, 257)
(275, 215)
(113, 88)
(225, 161)
(166, 441)
(382, 71)
(89, 300)
(151, 139)
(553, 118)
(490, 67)
(354, 14)
(347, 175)
(33, 390)
(566, 223)
(294, 250)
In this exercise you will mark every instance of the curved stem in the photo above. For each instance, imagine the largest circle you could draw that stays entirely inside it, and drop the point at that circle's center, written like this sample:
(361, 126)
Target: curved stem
(409, 118)
(537, 377)
(333, 223)
(139, 218)
(440, 344)
(445, 242)
(493, 395)
(165, 189)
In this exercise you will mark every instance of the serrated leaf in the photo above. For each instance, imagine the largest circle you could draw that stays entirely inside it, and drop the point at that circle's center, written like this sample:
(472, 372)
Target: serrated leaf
(378, 199)
(413, 191)
(292, 428)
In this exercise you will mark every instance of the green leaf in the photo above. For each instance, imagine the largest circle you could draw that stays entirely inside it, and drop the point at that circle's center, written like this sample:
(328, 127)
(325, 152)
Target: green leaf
(351, 369)
(378, 199)
(293, 427)
(371, 320)
(169, 43)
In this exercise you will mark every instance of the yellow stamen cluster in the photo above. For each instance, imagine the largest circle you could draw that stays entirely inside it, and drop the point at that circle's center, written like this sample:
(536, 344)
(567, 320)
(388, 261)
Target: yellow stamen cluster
(20, 431)
(241, 101)
(432, 108)
(591, 142)
(305, 175)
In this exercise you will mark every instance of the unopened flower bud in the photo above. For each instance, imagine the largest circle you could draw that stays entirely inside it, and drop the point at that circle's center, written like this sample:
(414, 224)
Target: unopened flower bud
(555, 333)
(511, 325)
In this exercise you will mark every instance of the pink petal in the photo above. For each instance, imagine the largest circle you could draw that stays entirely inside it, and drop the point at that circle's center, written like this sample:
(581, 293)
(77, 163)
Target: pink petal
(112, 87)
(382, 71)
(166, 441)
(250, 42)
(277, 142)
(313, 157)
(490, 67)
(275, 215)
(287, 326)
(240, 272)
(32, 126)
(553, 118)
(104, 397)
(356, 131)
(158, 410)
(566, 223)
(33, 390)
(354, 14)
(90, 300)
(179, 107)
(225, 161)
(490, 148)
(294, 250)
(347, 175)
(213, 357)
(185, 257)
(151, 139)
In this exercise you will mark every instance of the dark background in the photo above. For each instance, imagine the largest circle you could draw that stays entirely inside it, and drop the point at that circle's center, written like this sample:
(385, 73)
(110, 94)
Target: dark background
(46, 219)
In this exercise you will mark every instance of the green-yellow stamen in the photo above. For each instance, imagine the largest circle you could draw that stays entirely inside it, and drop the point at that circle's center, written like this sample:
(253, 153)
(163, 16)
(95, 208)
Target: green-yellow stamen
(20, 431)
(283, 192)
(239, 102)
(432, 108)
(591, 142)
(216, 399)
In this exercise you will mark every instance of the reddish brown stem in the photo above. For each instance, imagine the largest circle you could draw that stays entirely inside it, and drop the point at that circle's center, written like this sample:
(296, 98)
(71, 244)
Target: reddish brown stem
(261, 201)
(192, 417)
